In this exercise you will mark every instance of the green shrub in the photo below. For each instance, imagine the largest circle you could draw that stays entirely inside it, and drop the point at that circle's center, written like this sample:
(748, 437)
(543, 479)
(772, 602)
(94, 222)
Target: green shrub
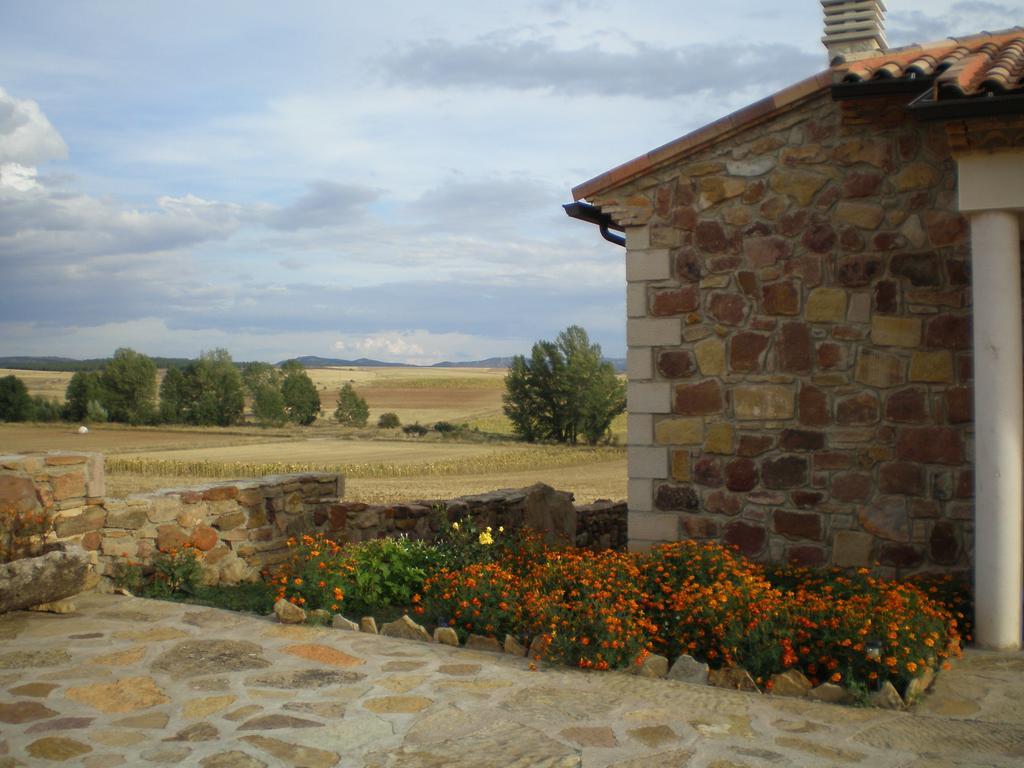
(388, 421)
(416, 430)
(445, 427)
(352, 410)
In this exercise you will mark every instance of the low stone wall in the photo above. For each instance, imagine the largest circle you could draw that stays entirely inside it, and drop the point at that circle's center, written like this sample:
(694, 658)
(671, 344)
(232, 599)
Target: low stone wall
(242, 527)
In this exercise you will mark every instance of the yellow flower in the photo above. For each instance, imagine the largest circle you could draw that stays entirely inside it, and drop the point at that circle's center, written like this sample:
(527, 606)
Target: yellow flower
(455, 526)
(501, 529)
(485, 538)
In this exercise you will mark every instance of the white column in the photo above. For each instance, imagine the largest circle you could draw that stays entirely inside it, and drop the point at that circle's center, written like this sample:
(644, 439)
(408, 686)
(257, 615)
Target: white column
(999, 422)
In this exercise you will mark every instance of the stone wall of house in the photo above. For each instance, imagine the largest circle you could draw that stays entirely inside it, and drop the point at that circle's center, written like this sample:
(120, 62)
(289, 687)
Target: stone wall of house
(799, 343)
(242, 527)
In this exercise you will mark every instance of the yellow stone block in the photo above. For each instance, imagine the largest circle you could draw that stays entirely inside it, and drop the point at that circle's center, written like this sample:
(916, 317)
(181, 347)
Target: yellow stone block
(763, 401)
(710, 354)
(719, 438)
(826, 305)
(679, 431)
(681, 465)
(877, 369)
(932, 366)
(888, 331)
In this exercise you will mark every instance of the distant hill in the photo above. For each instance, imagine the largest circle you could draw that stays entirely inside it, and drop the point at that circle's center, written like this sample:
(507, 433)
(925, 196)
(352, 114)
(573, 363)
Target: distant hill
(490, 362)
(312, 361)
(28, 363)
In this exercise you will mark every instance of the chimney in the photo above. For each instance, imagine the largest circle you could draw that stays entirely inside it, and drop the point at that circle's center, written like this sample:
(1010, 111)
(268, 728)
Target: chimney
(854, 29)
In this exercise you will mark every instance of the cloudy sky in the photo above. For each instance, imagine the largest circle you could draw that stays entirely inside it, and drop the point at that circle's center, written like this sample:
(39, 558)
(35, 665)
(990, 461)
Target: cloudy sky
(339, 179)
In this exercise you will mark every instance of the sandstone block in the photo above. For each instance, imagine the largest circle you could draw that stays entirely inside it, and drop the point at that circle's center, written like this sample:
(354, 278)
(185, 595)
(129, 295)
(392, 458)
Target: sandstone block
(719, 438)
(763, 402)
(800, 185)
(877, 369)
(680, 461)
(795, 348)
(647, 462)
(710, 237)
(851, 549)
(748, 536)
(710, 356)
(791, 683)
(640, 494)
(677, 301)
(702, 399)
(741, 475)
(682, 498)
(746, 352)
(728, 308)
(851, 486)
(648, 265)
(907, 405)
(861, 215)
(652, 526)
(886, 518)
(446, 636)
(933, 367)
(915, 176)
(764, 252)
(679, 431)
(639, 364)
(639, 429)
(405, 628)
(896, 331)
(826, 305)
(288, 613)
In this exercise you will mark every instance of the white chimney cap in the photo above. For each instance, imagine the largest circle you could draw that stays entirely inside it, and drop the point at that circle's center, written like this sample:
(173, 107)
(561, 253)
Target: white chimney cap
(853, 27)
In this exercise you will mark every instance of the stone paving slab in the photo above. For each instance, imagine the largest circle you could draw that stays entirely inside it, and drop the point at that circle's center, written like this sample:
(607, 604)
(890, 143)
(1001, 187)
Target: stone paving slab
(127, 681)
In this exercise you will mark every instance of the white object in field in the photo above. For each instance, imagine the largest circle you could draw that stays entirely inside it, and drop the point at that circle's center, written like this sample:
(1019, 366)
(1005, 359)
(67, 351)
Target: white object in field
(83, 430)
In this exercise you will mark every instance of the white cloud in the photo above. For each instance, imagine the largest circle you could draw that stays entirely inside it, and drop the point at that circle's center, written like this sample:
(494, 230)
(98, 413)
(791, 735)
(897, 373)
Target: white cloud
(423, 347)
(26, 136)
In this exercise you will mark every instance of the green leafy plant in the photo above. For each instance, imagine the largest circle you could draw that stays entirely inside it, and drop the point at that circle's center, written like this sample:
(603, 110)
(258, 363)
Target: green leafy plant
(416, 430)
(175, 572)
(352, 410)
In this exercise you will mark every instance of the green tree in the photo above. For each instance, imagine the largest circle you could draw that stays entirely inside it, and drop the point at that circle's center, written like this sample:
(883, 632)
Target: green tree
(173, 396)
(83, 387)
(257, 375)
(46, 409)
(213, 390)
(301, 400)
(268, 406)
(15, 402)
(352, 410)
(564, 392)
(128, 387)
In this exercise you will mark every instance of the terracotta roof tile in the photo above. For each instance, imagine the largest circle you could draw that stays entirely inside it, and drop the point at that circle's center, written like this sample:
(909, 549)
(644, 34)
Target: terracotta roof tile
(987, 63)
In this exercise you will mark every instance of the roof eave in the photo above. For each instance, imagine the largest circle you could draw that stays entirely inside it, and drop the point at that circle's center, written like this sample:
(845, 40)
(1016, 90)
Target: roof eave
(746, 117)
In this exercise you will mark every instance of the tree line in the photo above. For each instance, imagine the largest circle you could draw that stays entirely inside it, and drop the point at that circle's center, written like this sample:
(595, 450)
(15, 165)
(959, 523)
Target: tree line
(208, 391)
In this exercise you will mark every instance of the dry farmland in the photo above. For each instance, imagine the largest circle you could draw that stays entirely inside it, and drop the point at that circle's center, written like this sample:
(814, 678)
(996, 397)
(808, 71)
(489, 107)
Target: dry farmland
(380, 465)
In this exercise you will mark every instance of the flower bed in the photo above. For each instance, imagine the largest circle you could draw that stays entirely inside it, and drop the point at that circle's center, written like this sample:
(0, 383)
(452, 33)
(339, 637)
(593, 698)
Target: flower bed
(609, 610)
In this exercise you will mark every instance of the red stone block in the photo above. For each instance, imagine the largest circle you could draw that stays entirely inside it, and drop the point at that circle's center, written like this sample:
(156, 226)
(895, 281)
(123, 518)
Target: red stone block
(707, 470)
(689, 265)
(781, 298)
(959, 405)
(766, 251)
(68, 486)
(694, 527)
(728, 308)
(965, 484)
(801, 440)
(858, 271)
(959, 271)
(887, 241)
(948, 332)
(862, 184)
(740, 475)
(703, 399)
(676, 497)
(851, 240)
(930, 445)
(748, 537)
(858, 409)
(721, 264)
(747, 282)
(826, 460)
(887, 297)
(923, 508)
(754, 445)
(901, 477)
(685, 218)
(170, 537)
(676, 364)
(675, 302)
(17, 495)
(900, 555)
(91, 541)
(944, 543)
(907, 405)
(851, 487)
(819, 238)
(221, 493)
(722, 503)
(203, 538)
(806, 499)
(921, 269)
(812, 406)
(944, 228)
(796, 348)
(784, 472)
(829, 355)
(806, 556)
(797, 525)
(710, 237)
(746, 352)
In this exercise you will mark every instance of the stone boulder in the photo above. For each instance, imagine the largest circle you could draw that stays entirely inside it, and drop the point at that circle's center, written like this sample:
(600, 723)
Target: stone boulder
(44, 579)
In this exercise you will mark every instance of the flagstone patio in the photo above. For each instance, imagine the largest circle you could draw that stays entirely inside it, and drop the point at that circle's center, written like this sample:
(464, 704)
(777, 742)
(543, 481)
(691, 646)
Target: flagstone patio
(128, 681)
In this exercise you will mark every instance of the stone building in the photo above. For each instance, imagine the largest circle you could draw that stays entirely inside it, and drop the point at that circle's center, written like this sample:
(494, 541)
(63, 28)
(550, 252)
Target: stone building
(803, 379)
